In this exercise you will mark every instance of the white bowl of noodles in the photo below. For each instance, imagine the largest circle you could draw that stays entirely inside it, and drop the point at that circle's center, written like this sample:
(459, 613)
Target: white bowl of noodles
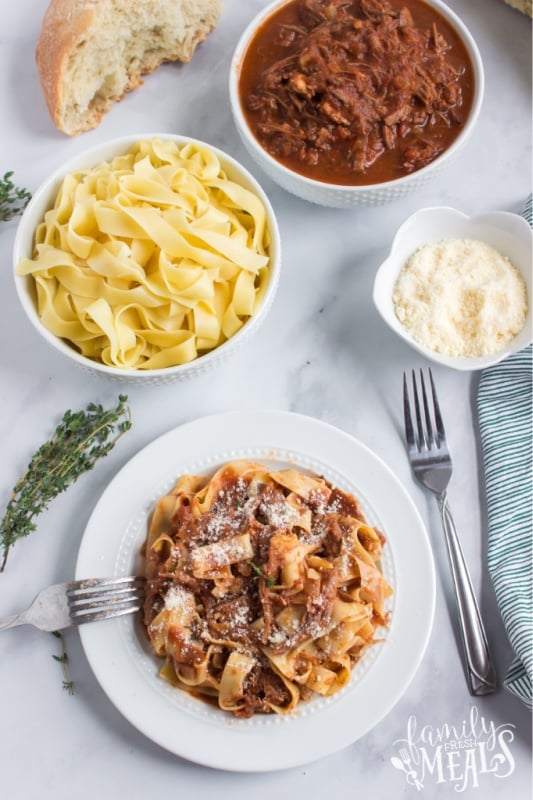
(149, 258)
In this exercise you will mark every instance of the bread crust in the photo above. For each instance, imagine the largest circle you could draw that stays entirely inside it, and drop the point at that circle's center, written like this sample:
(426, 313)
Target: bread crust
(525, 6)
(66, 25)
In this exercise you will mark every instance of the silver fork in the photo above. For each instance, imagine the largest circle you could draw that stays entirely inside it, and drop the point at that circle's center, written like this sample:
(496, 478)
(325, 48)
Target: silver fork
(65, 604)
(432, 466)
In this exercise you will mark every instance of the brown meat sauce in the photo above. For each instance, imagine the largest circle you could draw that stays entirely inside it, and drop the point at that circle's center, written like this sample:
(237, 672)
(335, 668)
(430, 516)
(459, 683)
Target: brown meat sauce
(356, 93)
(252, 593)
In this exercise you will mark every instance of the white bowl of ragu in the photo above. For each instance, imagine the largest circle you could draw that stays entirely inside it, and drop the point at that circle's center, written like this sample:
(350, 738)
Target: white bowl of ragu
(457, 288)
(148, 259)
(355, 104)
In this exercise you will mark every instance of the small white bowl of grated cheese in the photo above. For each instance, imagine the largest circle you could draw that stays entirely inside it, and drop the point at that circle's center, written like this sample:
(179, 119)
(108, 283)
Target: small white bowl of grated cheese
(458, 288)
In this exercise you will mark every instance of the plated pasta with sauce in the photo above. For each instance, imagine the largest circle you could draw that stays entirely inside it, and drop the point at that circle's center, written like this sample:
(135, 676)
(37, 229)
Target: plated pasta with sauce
(264, 587)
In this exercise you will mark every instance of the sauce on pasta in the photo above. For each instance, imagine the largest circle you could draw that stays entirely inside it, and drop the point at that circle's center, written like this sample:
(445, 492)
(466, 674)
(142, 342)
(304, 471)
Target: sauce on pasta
(263, 587)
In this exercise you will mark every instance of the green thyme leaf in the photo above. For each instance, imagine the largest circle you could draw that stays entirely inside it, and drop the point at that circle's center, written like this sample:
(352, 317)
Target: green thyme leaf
(68, 684)
(259, 571)
(13, 199)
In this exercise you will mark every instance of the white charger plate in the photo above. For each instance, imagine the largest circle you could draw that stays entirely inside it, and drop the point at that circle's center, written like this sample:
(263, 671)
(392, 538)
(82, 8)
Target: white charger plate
(121, 657)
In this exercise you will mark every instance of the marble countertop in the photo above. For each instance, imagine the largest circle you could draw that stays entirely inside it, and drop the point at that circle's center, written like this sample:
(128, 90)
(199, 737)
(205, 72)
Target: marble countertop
(323, 351)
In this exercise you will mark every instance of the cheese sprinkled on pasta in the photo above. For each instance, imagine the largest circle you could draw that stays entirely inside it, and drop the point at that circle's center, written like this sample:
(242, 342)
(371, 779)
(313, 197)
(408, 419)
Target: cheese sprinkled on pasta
(264, 587)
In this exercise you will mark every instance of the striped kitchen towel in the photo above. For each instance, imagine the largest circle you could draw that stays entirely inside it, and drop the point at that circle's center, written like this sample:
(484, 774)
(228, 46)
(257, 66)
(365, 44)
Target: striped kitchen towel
(505, 403)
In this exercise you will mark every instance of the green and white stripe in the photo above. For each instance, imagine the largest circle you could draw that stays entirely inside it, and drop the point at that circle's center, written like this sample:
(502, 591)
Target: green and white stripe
(505, 419)
(528, 210)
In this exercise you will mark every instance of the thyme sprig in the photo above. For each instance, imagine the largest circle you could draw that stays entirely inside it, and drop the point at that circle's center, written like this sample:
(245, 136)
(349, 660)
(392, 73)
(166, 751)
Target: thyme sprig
(13, 199)
(79, 441)
(259, 571)
(68, 683)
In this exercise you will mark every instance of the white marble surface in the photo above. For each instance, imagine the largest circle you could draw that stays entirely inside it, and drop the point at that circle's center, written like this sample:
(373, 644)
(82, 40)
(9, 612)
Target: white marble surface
(323, 351)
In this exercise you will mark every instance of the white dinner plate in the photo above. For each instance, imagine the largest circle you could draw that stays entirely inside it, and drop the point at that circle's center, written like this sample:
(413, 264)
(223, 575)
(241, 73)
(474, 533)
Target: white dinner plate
(120, 655)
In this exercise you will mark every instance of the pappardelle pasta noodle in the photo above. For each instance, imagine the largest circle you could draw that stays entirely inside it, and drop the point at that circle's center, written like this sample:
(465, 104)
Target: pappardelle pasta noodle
(151, 259)
(264, 587)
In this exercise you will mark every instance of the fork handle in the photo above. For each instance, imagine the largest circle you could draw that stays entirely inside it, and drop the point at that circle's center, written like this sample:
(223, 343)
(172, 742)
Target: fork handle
(481, 674)
(11, 622)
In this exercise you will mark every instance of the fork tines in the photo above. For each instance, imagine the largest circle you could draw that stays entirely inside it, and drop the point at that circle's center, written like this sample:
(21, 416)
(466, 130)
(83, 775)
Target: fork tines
(99, 598)
(432, 432)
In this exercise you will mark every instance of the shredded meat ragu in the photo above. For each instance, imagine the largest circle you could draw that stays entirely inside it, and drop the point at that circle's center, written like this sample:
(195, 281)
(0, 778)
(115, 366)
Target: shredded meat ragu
(239, 607)
(357, 79)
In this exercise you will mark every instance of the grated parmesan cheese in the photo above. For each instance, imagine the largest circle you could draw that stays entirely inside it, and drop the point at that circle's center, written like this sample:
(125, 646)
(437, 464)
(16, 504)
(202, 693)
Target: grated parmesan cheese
(178, 599)
(279, 514)
(460, 297)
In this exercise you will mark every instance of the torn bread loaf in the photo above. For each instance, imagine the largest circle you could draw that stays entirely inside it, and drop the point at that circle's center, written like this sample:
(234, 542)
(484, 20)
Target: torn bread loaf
(91, 52)
(525, 6)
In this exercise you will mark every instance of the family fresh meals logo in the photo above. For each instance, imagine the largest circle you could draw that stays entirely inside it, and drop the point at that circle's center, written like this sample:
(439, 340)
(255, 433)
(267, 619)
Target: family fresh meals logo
(463, 755)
